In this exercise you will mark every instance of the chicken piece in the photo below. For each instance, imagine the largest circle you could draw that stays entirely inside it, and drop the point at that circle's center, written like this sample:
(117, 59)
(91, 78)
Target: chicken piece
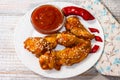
(52, 40)
(67, 56)
(38, 45)
(74, 26)
(70, 56)
(67, 39)
(49, 61)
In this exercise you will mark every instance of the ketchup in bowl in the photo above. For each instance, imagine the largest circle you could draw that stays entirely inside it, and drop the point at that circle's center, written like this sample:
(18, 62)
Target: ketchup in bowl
(47, 19)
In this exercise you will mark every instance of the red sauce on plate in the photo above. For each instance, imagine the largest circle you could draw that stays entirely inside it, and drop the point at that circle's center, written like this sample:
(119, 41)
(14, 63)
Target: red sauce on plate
(47, 19)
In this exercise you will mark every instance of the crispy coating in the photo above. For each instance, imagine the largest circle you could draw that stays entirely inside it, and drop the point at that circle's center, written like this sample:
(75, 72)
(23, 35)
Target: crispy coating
(51, 39)
(49, 61)
(38, 45)
(74, 26)
(67, 39)
(67, 56)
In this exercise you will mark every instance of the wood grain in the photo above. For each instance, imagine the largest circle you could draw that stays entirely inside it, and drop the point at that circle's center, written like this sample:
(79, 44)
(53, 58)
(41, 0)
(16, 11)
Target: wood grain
(11, 67)
(113, 7)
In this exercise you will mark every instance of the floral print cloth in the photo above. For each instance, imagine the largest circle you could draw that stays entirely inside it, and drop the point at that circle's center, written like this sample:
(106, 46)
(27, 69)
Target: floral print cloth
(109, 63)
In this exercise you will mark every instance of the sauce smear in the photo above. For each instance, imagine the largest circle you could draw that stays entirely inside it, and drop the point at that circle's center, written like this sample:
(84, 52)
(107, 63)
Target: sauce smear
(47, 19)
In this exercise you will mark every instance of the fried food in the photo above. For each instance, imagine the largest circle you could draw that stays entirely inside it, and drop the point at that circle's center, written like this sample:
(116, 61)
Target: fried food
(67, 56)
(67, 39)
(49, 61)
(74, 26)
(38, 45)
(51, 39)
(76, 41)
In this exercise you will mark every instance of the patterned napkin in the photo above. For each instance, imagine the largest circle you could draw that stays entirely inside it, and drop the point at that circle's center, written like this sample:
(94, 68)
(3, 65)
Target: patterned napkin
(109, 63)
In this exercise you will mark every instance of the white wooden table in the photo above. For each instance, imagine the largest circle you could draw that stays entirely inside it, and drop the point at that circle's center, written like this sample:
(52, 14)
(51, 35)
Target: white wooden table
(11, 67)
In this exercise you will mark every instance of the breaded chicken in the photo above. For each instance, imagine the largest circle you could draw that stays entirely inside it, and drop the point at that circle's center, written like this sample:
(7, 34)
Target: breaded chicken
(74, 25)
(38, 45)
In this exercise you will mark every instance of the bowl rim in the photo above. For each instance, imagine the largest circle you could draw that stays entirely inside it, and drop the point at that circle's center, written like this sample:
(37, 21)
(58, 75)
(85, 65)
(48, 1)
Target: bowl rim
(53, 30)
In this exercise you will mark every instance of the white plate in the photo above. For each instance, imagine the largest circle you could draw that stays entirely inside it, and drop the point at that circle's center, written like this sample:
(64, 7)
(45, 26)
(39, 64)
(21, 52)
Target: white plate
(25, 29)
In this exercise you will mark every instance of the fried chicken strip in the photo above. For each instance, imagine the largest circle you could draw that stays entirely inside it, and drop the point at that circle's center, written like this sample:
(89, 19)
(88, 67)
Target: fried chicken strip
(74, 26)
(67, 56)
(39, 45)
(67, 39)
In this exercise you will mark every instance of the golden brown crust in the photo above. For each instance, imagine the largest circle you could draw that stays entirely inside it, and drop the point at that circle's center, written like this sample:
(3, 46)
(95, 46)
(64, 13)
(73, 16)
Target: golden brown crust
(67, 39)
(75, 27)
(38, 45)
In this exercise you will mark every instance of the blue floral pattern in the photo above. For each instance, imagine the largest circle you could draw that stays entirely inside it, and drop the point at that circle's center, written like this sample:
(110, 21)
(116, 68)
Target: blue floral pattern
(103, 12)
(108, 68)
(96, 1)
(116, 61)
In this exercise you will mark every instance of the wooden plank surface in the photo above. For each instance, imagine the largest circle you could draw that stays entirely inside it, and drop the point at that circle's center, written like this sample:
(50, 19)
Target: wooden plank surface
(11, 67)
(113, 7)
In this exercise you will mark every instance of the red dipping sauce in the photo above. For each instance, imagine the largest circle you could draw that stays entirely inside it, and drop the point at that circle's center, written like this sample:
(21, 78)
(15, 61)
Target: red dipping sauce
(47, 19)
